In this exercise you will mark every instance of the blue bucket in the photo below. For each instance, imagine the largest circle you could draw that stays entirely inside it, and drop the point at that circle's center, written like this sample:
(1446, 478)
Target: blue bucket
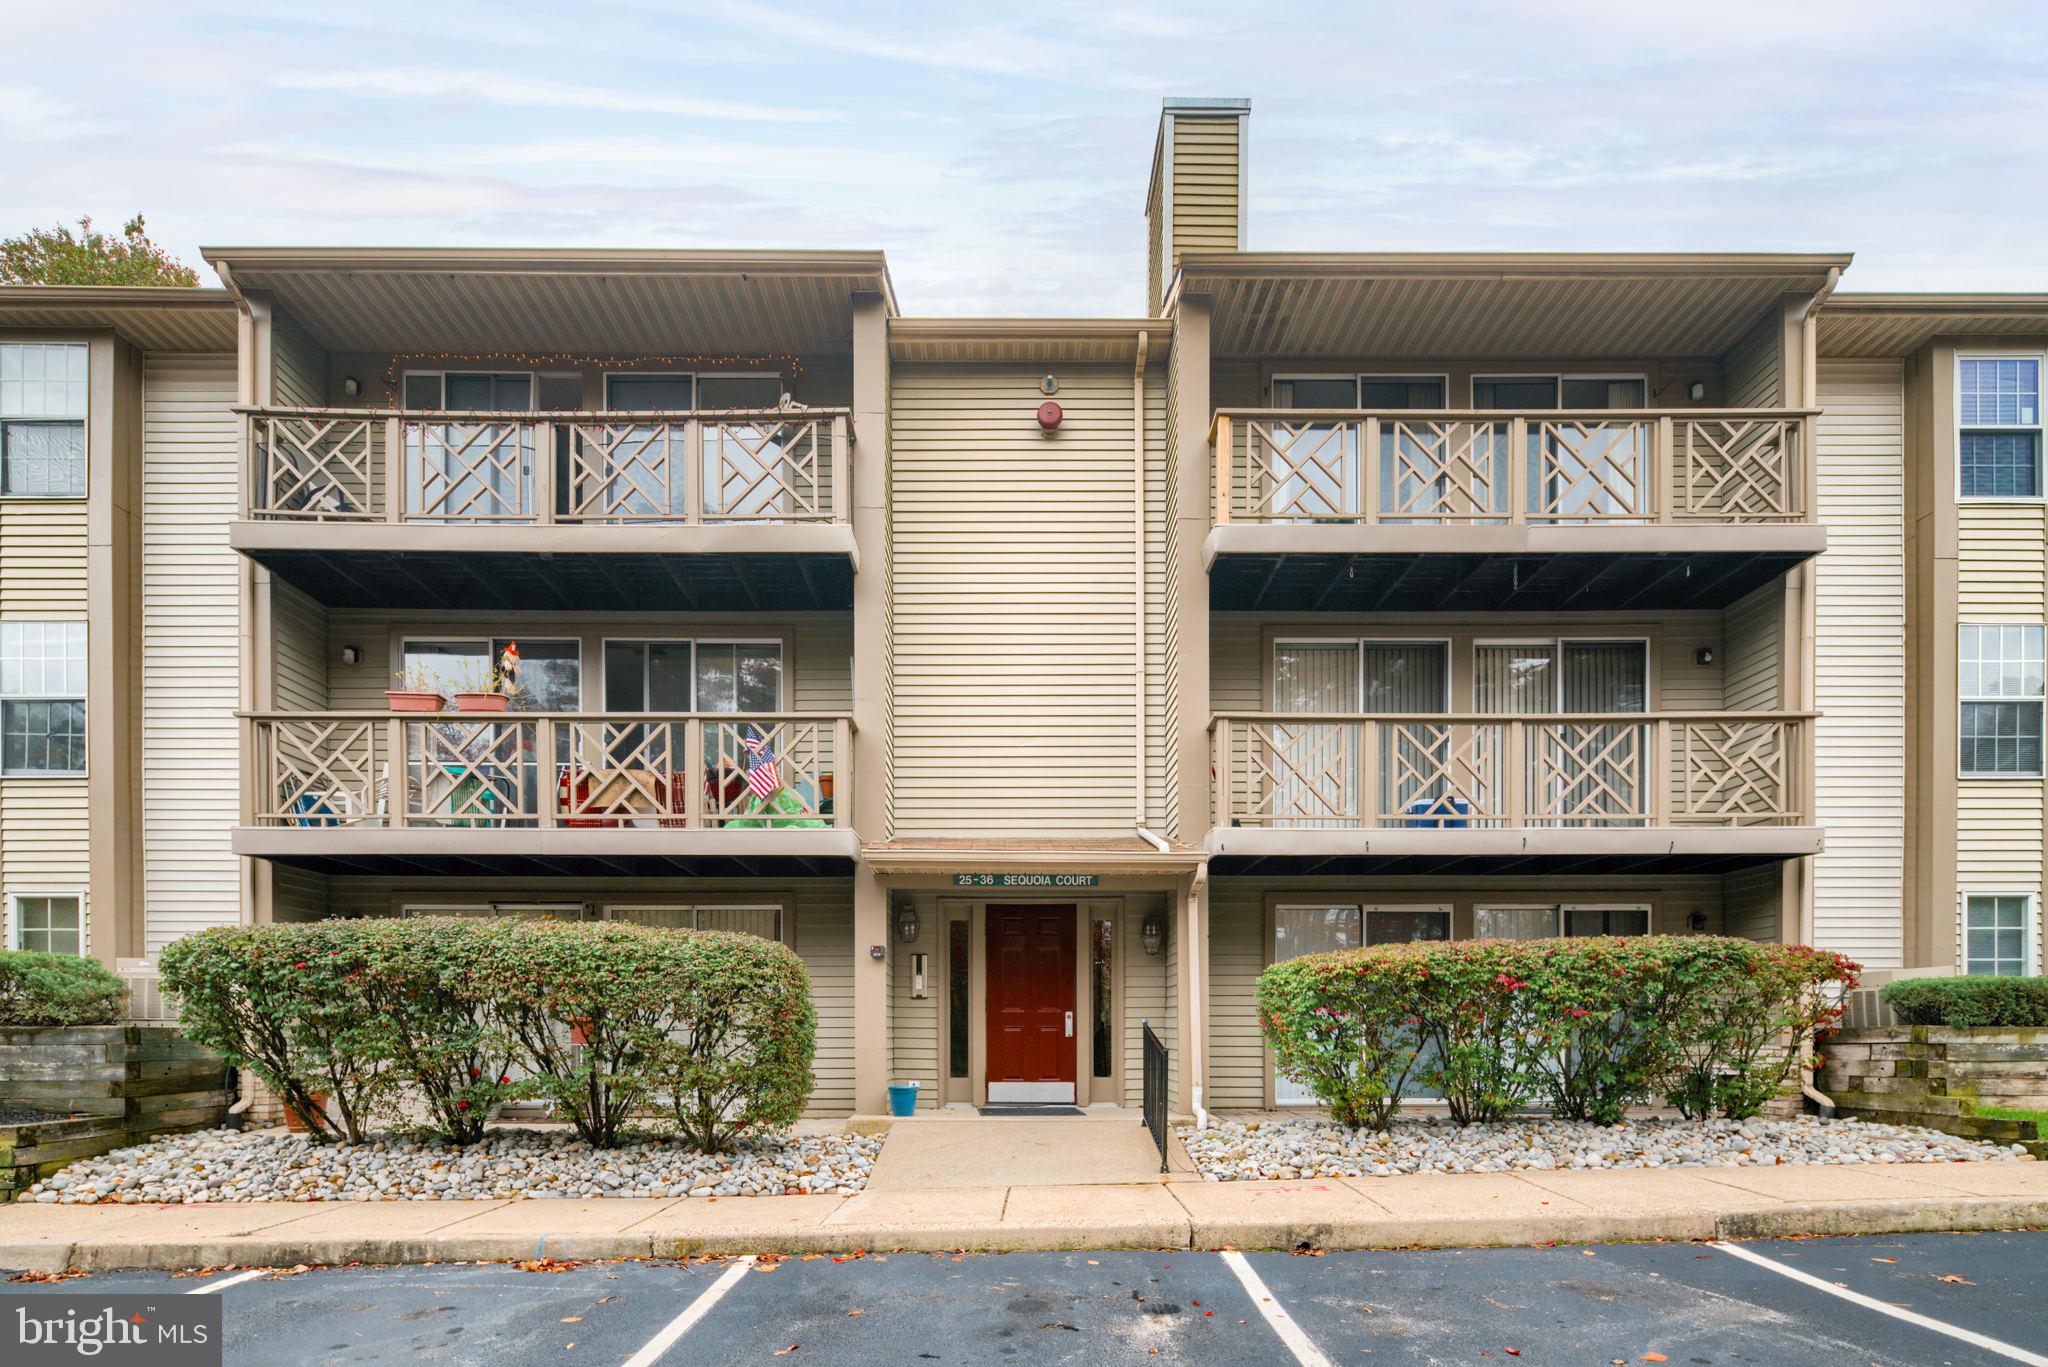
(903, 1098)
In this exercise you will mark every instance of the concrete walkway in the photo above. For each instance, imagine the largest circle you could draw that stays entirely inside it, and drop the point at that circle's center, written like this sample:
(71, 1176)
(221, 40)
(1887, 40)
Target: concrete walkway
(1474, 1210)
(954, 1149)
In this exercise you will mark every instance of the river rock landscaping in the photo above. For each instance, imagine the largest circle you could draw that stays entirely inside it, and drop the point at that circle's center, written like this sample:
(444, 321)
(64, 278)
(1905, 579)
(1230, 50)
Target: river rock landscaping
(1241, 1151)
(224, 1165)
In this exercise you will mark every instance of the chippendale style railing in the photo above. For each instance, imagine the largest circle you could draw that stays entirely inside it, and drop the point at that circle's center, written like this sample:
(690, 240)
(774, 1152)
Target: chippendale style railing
(526, 468)
(1479, 467)
(657, 770)
(1455, 772)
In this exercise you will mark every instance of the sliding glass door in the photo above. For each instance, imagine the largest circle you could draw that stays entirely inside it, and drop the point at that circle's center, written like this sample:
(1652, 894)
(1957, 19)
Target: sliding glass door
(1317, 764)
(1577, 773)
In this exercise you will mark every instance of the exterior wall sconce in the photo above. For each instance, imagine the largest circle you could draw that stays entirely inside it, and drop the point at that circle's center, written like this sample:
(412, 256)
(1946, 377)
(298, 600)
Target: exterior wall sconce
(1703, 657)
(1696, 391)
(352, 388)
(906, 925)
(351, 656)
(1152, 934)
(1696, 922)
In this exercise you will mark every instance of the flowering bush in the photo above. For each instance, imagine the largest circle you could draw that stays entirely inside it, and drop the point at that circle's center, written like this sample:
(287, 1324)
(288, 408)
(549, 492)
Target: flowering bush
(1589, 1026)
(455, 1015)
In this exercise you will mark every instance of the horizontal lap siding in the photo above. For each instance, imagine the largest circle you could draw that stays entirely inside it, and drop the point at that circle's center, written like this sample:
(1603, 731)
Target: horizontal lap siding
(1753, 366)
(1751, 649)
(1205, 184)
(2001, 576)
(1860, 668)
(42, 577)
(1145, 995)
(298, 627)
(1014, 603)
(190, 641)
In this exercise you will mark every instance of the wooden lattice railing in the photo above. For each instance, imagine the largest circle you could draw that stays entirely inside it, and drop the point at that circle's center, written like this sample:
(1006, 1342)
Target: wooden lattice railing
(1577, 771)
(1477, 467)
(520, 468)
(666, 770)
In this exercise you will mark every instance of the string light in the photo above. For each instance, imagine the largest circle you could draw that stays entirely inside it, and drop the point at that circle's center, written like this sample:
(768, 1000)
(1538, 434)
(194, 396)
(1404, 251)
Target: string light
(782, 361)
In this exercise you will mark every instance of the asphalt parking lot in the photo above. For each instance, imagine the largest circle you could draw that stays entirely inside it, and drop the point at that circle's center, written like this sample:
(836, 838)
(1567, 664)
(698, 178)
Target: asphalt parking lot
(1983, 1299)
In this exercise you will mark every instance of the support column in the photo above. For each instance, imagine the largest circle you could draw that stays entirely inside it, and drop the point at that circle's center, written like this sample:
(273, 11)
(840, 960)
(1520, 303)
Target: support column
(1188, 581)
(254, 374)
(1190, 949)
(113, 638)
(1932, 597)
(871, 655)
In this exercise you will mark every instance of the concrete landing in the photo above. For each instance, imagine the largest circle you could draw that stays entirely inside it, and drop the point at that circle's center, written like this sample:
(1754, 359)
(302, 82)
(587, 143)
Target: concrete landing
(949, 1150)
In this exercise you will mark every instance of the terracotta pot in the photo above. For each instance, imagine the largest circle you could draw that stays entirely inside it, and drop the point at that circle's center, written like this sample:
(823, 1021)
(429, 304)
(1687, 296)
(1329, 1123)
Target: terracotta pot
(296, 1122)
(412, 700)
(482, 702)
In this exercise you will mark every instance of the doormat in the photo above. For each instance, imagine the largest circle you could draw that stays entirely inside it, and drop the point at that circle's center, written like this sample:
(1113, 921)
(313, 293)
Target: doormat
(1024, 1110)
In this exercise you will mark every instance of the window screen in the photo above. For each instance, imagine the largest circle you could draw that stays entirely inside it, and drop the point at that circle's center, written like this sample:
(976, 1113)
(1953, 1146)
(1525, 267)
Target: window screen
(2000, 691)
(1995, 934)
(1998, 442)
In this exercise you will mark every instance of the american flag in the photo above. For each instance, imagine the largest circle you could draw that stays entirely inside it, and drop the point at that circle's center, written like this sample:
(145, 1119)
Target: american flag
(762, 779)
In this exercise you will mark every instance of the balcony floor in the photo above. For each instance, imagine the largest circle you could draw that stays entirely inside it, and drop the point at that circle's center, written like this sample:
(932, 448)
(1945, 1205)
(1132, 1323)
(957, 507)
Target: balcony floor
(560, 852)
(582, 569)
(1637, 850)
(1343, 568)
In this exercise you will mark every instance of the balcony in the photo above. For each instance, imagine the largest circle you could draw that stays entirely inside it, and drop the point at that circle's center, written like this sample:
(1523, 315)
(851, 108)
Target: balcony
(1698, 792)
(1548, 510)
(551, 793)
(572, 510)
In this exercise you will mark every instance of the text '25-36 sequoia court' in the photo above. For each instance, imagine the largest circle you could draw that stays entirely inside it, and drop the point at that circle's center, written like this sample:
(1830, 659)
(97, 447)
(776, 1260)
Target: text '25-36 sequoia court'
(1032, 679)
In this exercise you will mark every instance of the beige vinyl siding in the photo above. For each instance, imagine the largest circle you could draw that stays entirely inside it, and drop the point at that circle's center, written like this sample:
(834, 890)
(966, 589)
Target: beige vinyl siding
(1014, 602)
(1159, 717)
(2001, 576)
(915, 1025)
(1180, 824)
(1205, 184)
(297, 894)
(43, 826)
(1859, 668)
(298, 375)
(1145, 995)
(299, 649)
(1238, 941)
(1751, 640)
(1754, 366)
(190, 628)
(1754, 901)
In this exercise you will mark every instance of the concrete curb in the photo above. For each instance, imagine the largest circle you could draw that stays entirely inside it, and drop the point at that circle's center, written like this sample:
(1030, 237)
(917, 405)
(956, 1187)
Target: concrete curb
(1780, 1219)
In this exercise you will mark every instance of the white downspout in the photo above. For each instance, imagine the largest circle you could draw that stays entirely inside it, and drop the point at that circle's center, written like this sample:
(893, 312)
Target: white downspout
(1138, 576)
(1198, 937)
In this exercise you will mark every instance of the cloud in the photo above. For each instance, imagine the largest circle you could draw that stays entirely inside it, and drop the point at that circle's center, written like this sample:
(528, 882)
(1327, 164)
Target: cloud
(531, 90)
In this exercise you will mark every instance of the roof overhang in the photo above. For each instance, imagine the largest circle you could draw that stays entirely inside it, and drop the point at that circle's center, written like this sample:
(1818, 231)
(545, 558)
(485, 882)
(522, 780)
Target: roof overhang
(153, 317)
(1029, 341)
(1496, 306)
(1871, 326)
(599, 302)
(1113, 858)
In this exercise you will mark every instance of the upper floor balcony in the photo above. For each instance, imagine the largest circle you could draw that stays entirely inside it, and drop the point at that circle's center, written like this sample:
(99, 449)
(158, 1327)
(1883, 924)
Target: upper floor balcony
(1543, 509)
(383, 508)
(560, 793)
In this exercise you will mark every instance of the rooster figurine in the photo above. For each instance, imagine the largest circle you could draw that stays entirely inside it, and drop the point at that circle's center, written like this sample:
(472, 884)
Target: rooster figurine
(508, 668)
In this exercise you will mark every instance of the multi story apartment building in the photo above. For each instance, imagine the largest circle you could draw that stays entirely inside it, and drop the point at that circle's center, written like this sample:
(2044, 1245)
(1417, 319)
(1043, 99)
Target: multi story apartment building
(1033, 679)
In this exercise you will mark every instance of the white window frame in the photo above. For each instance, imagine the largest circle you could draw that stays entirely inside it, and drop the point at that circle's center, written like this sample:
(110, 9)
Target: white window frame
(698, 377)
(407, 640)
(2039, 428)
(80, 697)
(84, 421)
(2030, 961)
(1473, 381)
(1558, 643)
(1971, 776)
(1376, 639)
(14, 898)
(696, 643)
(783, 919)
(532, 391)
(605, 383)
(568, 911)
(1555, 911)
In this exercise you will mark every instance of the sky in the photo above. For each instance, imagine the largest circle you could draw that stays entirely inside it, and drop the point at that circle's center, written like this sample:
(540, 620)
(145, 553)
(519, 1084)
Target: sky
(999, 153)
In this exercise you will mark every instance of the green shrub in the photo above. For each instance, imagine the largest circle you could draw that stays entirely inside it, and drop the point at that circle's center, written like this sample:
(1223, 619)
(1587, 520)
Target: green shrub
(455, 1015)
(1975, 999)
(1593, 1026)
(1344, 1026)
(57, 989)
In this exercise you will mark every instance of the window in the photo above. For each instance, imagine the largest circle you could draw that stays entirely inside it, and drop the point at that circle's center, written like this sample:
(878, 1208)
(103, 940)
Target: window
(549, 671)
(42, 420)
(48, 922)
(958, 965)
(2000, 692)
(1606, 920)
(1995, 933)
(764, 921)
(1514, 923)
(42, 697)
(1998, 442)
(1101, 978)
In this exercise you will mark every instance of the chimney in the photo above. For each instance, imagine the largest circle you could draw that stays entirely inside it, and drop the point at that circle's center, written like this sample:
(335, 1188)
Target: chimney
(1196, 202)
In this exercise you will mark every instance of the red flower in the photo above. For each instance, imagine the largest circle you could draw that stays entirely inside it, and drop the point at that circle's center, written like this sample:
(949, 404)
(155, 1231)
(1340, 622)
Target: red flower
(462, 1105)
(505, 1079)
(300, 964)
(1578, 1012)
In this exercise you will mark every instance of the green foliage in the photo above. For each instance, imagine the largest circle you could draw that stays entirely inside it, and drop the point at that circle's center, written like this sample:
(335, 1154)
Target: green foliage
(454, 1015)
(57, 989)
(1592, 1026)
(1974, 999)
(57, 256)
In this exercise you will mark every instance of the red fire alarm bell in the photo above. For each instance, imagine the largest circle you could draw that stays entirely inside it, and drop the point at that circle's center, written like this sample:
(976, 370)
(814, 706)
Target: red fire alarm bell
(1049, 416)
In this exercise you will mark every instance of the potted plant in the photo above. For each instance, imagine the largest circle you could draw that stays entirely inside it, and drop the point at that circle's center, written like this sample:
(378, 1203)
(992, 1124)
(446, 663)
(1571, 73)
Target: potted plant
(414, 691)
(490, 691)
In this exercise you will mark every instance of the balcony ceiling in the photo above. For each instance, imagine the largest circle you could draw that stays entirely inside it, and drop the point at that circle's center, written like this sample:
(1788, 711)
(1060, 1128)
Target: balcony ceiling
(1492, 306)
(600, 303)
(153, 317)
(1881, 325)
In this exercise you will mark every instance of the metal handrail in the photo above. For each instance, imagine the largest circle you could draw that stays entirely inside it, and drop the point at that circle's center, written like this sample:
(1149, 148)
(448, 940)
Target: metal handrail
(1153, 1116)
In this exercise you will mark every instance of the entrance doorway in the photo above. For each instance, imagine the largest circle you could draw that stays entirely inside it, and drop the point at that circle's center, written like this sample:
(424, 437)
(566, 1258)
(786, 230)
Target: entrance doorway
(1031, 1008)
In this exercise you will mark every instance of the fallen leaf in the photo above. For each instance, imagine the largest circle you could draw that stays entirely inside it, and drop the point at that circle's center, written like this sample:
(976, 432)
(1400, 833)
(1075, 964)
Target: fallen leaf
(572, 1319)
(785, 1352)
(1586, 1253)
(1655, 1357)
(1095, 1262)
(852, 1314)
(1512, 1352)
(1956, 1281)
(1884, 1260)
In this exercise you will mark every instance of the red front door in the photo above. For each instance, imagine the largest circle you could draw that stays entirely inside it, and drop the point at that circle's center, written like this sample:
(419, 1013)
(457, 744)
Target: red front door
(1031, 1003)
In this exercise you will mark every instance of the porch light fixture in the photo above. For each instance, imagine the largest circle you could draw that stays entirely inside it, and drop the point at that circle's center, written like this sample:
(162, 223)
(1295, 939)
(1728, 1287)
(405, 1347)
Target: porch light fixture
(351, 656)
(351, 387)
(1152, 934)
(1696, 391)
(1703, 657)
(906, 925)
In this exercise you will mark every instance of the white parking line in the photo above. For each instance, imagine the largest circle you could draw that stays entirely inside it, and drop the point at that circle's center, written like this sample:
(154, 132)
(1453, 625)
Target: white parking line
(1970, 1336)
(683, 1323)
(1301, 1345)
(225, 1282)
